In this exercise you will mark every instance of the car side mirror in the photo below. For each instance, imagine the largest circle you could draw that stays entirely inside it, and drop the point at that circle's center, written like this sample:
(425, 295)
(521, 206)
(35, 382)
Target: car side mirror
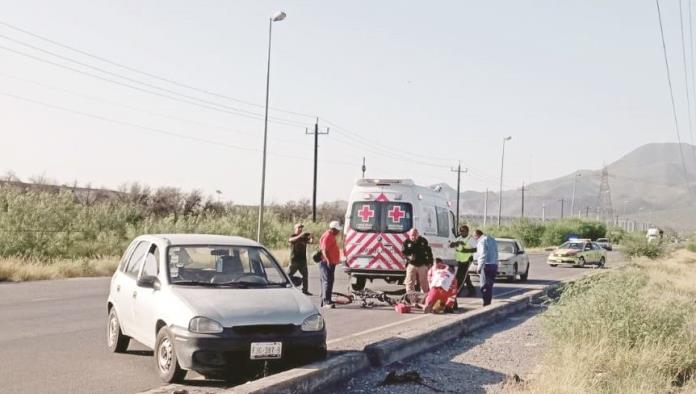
(296, 280)
(149, 282)
(520, 252)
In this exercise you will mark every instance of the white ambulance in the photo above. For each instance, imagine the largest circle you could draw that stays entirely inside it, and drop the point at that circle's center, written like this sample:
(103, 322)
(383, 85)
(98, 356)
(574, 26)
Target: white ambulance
(380, 213)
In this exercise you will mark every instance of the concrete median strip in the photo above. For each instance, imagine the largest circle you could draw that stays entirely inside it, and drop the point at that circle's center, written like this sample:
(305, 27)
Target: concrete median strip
(405, 344)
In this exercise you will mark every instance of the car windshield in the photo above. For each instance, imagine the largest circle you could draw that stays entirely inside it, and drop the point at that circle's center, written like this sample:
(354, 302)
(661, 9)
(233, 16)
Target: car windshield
(572, 245)
(223, 265)
(506, 247)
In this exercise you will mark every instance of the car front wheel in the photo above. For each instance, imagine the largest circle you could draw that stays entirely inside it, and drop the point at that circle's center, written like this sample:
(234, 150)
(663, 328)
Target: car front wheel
(115, 340)
(523, 277)
(165, 358)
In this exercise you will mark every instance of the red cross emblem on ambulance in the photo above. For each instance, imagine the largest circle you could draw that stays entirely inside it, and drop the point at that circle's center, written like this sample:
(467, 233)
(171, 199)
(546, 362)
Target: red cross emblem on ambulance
(396, 214)
(366, 213)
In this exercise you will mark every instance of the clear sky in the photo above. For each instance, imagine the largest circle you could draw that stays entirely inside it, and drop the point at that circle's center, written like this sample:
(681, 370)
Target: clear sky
(413, 86)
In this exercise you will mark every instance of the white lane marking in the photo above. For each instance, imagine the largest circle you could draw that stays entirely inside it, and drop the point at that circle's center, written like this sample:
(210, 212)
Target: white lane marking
(357, 334)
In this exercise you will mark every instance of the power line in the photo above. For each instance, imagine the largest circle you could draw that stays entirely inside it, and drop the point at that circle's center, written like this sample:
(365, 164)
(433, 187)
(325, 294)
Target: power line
(188, 99)
(156, 130)
(686, 68)
(693, 76)
(238, 111)
(137, 109)
(383, 150)
(132, 69)
(671, 95)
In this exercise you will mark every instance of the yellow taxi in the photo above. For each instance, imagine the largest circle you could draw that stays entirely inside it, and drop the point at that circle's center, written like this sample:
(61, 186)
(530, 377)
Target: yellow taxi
(578, 252)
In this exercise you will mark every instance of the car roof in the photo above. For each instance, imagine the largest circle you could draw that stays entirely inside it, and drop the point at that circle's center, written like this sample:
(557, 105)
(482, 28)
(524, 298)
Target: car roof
(200, 239)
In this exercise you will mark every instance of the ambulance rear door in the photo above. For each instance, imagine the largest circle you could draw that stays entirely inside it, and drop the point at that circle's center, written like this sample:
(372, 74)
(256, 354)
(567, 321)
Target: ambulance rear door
(375, 233)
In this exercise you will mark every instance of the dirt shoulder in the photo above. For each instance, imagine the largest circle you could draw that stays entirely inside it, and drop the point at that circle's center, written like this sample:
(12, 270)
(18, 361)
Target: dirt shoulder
(478, 363)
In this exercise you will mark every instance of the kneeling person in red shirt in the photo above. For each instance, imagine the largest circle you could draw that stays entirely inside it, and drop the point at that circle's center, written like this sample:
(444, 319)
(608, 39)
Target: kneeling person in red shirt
(443, 288)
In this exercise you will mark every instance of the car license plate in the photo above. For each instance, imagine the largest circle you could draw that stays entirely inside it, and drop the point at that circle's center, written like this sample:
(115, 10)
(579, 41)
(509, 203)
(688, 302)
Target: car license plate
(266, 350)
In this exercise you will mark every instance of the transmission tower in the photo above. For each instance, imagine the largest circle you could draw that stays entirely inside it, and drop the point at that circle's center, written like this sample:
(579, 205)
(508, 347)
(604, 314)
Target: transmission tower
(606, 211)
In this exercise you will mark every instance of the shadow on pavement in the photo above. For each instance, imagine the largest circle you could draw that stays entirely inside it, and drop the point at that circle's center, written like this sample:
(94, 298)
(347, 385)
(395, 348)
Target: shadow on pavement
(148, 353)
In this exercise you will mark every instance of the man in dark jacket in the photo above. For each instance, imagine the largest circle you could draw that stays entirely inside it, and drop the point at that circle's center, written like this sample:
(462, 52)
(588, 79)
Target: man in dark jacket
(298, 255)
(420, 256)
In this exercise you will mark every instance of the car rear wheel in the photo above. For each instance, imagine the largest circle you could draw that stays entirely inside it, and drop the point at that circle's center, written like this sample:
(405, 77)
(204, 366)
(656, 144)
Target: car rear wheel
(115, 340)
(601, 262)
(359, 283)
(165, 358)
(523, 277)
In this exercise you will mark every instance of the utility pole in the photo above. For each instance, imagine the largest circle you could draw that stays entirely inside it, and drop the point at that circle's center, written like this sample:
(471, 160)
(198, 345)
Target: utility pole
(543, 212)
(459, 171)
(363, 168)
(485, 210)
(316, 155)
(587, 211)
(500, 195)
(562, 203)
(522, 214)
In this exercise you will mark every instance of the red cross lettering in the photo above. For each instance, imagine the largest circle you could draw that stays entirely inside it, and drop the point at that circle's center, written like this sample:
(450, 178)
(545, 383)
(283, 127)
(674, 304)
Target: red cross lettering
(396, 214)
(366, 213)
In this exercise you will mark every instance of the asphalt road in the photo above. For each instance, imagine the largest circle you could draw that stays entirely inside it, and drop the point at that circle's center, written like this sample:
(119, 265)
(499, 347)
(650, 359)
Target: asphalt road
(53, 333)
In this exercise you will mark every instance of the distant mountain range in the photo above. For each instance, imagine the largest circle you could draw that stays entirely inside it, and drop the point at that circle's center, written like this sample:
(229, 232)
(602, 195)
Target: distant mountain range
(647, 185)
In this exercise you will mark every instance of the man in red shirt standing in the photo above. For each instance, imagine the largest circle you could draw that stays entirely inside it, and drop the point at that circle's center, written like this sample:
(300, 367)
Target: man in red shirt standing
(330, 258)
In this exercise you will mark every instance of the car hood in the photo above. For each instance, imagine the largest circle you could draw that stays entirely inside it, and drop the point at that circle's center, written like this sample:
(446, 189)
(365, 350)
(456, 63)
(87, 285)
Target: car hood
(239, 307)
(505, 256)
(567, 252)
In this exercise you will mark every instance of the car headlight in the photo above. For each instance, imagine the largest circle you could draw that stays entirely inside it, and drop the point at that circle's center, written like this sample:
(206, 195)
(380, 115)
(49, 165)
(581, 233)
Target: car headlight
(313, 323)
(203, 325)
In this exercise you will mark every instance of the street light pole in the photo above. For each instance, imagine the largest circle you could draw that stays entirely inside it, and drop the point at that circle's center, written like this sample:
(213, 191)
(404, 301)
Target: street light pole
(500, 192)
(275, 18)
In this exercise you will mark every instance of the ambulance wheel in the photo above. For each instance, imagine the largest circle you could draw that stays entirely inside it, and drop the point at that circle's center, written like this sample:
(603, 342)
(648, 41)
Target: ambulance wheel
(359, 283)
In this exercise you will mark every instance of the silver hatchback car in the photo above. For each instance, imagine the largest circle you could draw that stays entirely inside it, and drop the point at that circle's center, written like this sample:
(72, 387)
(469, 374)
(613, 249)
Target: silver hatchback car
(218, 305)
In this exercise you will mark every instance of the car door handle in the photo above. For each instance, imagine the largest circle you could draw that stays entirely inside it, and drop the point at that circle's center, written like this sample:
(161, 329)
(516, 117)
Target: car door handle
(118, 287)
(135, 294)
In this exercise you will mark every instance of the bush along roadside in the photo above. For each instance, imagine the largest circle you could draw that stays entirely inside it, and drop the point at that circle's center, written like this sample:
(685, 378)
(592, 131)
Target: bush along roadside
(631, 330)
(636, 245)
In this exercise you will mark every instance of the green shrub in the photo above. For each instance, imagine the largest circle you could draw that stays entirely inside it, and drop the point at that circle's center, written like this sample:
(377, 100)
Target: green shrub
(691, 245)
(635, 245)
(616, 234)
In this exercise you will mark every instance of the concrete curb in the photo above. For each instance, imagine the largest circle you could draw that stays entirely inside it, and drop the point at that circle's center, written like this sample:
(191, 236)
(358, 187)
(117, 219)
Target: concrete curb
(309, 378)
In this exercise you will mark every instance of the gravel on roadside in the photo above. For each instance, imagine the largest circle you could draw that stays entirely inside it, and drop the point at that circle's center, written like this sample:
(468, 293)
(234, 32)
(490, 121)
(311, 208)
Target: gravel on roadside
(485, 361)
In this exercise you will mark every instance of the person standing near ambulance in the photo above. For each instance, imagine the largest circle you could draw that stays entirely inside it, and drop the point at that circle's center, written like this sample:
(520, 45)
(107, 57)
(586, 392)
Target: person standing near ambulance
(487, 254)
(420, 257)
(298, 255)
(465, 247)
(330, 258)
